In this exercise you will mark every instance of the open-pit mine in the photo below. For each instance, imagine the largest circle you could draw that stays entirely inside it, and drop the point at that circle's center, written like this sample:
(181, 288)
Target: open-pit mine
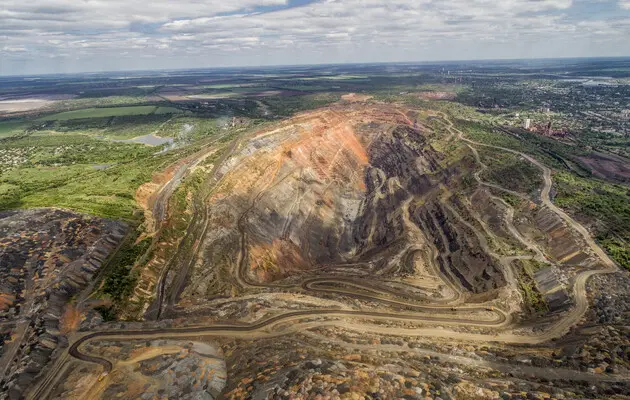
(359, 251)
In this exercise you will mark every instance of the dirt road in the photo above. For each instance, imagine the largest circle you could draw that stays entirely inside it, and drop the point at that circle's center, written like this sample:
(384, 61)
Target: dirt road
(299, 321)
(579, 286)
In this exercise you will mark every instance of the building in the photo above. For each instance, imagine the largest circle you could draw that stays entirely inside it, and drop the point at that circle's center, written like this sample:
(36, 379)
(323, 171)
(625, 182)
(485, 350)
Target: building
(528, 123)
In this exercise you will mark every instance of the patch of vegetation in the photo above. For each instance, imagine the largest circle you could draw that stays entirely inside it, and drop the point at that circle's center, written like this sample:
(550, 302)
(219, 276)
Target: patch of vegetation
(227, 86)
(535, 266)
(617, 248)
(180, 202)
(510, 171)
(166, 110)
(533, 299)
(121, 278)
(85, 101)
(552, 156)
(603, 206)
(11, 128)
(441, 87)
(509, 198)
(103, 126)
(340, 77)
(289, 105)
(190, 128)
(107, 313)
(131, 127)
(88, 113)
(303, 87)
(97, 177)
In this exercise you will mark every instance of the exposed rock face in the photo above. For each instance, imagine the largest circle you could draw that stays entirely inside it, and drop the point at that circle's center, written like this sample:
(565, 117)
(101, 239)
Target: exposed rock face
(564, 245)
(350, 187)
(553, 290)
(47, 256)
(461, 253)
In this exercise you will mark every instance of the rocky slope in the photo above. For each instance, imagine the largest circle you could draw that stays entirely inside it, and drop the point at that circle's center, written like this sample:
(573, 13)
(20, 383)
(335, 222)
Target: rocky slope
(351, 189)
(47, 256)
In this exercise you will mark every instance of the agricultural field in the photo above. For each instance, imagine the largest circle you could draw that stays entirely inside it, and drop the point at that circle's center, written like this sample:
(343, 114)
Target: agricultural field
(10, 128)
(104, 112)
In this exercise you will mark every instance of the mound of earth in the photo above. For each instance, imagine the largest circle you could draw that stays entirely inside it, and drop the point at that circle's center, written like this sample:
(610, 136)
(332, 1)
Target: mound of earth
(161, 369)
(47, 256)
(608, 166)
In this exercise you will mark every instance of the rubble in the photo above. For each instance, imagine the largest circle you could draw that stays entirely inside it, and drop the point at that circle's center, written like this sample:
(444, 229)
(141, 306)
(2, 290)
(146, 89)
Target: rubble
(47, 256)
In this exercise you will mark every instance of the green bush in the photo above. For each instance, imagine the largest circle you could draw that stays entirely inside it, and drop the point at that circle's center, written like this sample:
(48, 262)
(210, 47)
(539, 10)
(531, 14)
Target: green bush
(120, 277)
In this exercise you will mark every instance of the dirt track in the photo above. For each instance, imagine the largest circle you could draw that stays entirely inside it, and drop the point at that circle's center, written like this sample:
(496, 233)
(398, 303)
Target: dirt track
(291, 322)
(579, 286)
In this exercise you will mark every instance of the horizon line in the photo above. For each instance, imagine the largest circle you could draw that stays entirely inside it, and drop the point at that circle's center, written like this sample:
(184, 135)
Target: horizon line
(265, 66)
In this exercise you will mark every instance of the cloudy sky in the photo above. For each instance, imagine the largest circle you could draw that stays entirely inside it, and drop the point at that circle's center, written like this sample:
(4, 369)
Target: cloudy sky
(51, 36)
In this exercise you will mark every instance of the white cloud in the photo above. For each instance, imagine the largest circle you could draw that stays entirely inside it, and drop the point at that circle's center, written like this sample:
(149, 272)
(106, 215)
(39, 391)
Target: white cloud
(13, 49)
(220, 32)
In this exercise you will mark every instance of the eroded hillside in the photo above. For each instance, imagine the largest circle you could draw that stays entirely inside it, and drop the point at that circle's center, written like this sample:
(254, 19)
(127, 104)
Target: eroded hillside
(352, 190)
(320, 246)
(47, 258)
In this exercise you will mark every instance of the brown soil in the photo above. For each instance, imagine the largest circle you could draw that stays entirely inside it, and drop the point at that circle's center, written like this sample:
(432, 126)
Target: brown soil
(608, 167)
(340, 187)
(70, 319)
(12, 106)
(24, 106)
(437, 95)
(6, 301)
(277, 259)
(146, 193)
(354, 97)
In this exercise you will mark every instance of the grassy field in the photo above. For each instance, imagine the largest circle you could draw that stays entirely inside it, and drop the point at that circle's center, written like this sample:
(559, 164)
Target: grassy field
(336, 77)
(11, 128)
(166, 110)
(94, 176)
(213, 96)
(227, 86)
(190, 128)
(101, 101)
(303, 88)
(109, 112)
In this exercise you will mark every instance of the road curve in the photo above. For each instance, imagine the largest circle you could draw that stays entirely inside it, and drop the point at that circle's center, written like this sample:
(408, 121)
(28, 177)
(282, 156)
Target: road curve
(228, 329)
(579, 286)
(266, 326)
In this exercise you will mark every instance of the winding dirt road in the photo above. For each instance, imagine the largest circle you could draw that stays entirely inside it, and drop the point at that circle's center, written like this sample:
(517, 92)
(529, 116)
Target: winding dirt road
(299, 321)
(579, 286)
